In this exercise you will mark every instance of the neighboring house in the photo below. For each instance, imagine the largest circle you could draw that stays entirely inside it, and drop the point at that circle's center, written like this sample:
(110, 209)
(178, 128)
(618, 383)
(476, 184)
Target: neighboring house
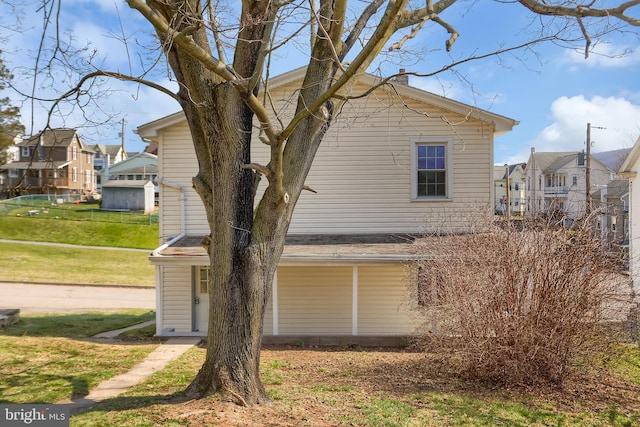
(629, 170)
(515, 198)
(56, 162)
(128, 183)
(612, 201)
(556, 182)
(105, 156)
(11, 154)
(139, 167)
(394, 165)
(125, 195)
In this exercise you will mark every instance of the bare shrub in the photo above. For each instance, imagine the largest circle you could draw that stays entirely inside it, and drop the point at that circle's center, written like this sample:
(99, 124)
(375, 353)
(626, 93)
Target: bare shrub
(519, 301)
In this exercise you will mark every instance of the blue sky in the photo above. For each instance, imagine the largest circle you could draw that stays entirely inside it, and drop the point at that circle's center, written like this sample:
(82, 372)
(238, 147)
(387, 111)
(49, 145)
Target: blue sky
(553, 91)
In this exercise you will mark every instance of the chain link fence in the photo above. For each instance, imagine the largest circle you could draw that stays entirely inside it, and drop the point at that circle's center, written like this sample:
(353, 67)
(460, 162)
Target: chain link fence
(69, 207)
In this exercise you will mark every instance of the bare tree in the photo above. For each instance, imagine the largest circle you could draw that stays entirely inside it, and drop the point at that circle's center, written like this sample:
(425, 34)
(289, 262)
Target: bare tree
(219, 54)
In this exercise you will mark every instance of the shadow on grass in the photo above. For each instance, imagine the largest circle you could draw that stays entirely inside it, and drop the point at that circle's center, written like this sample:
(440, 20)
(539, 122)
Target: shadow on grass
(79, 385)
(127, 403)
(77, 326)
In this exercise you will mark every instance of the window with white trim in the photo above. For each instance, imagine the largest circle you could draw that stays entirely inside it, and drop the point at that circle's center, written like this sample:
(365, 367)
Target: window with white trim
(203, 279)
(74, 174)
(74, 153)
(87, 176)
(432, 175)
(26, 152)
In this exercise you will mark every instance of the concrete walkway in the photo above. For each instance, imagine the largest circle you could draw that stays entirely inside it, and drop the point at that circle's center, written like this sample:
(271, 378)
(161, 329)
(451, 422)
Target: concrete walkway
(61, 298)
(68, 245)
(154, 362)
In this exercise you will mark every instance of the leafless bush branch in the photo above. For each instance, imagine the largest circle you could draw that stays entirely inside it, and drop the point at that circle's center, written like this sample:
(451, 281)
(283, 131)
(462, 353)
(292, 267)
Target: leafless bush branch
(518, 302)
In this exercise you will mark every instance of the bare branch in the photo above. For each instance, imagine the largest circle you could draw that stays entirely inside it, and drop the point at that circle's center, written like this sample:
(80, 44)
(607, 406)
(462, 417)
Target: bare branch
(258, 168)
(307, 188)
(587, 38)
(214, 30)
(581, 11)
(379, 38)
(359, 26)
(316, 18)
(184, 40)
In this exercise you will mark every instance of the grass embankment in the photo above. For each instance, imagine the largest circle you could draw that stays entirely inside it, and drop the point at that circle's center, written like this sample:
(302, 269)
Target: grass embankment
(46, 358)
(31, 263)
(87, 233)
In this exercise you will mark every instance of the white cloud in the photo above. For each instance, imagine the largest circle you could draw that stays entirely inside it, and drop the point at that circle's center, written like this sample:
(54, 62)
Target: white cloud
(603, 55)
(615, 123)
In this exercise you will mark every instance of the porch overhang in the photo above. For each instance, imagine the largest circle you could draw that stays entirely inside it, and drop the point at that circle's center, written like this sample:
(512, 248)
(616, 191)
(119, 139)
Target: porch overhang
(303, 250)
(36, 165)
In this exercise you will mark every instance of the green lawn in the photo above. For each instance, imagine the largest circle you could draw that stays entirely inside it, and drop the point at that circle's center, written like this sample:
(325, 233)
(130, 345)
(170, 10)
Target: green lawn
(34, 263)
(46, 359)
(89, 233)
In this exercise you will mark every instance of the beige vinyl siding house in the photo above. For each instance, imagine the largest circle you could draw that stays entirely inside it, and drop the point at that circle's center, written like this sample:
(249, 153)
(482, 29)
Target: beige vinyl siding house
(390, 168)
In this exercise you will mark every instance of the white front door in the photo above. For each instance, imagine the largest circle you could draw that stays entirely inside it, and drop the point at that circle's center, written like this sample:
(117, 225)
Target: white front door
(201, 299)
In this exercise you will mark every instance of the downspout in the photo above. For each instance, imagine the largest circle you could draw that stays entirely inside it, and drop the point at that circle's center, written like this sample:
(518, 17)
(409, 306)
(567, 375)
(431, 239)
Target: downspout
(156, 252)
(183, 214)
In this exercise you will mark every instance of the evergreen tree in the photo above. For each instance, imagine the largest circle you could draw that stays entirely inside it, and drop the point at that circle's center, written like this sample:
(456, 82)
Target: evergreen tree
(10, 125)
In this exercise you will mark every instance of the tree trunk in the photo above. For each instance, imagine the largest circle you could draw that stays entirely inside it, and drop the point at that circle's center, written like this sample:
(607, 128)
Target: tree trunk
(239, 282)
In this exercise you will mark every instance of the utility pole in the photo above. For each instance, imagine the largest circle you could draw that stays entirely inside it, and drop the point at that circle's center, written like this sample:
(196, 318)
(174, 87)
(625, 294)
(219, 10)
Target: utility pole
(588, 170)
(507, 201)
(588, 166)
(122, 136)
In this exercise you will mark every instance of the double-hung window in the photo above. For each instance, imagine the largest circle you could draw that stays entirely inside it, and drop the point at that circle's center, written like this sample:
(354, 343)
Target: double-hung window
(431, 170)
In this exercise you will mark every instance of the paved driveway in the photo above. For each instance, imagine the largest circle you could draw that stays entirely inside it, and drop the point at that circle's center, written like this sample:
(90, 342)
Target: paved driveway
(38, 298)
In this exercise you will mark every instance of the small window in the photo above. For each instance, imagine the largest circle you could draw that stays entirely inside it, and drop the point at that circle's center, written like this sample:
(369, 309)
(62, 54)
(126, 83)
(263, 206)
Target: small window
(74, 153)
(575, 180)
(431, 170)
(74, 174)
(517, 187)
(13, 173)
(203, 279)
(549, 183)
(26, 152)
(87, 176)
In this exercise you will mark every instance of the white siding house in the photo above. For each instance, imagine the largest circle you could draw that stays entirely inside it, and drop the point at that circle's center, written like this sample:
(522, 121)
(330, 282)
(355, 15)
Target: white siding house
(343, 275)
(629, 170)
(509, 184)
(556, 182)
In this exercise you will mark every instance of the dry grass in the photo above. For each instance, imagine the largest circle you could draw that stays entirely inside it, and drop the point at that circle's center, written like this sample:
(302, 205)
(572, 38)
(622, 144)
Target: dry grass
(376, 387)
